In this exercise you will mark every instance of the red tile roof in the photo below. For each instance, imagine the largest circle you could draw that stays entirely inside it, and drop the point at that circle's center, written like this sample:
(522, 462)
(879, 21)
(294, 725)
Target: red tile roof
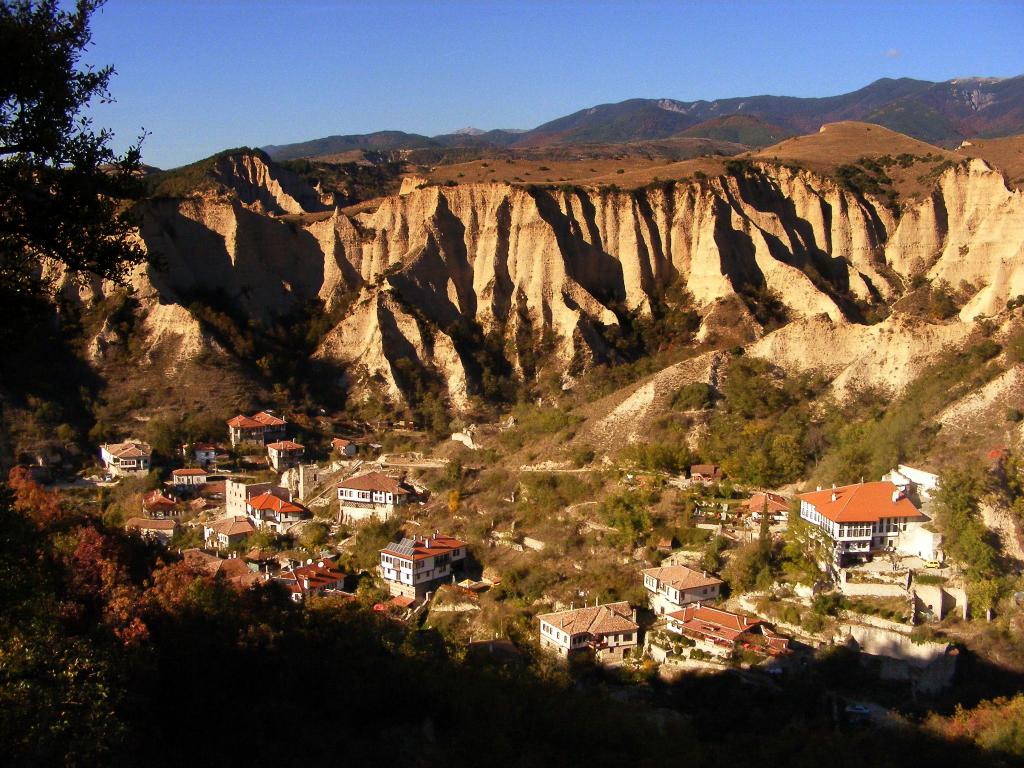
(268, 419)
(130, 449)
(423, 548)
(244, 422)
(157, 499)
(232, 526)
(714, 622)
(861, 503)
(286, 445)
(611, 618)
(682, 578)
(270, 501)
(374, 481)
(772, 502)
(709, 470)
(189, 472)
(320, 575)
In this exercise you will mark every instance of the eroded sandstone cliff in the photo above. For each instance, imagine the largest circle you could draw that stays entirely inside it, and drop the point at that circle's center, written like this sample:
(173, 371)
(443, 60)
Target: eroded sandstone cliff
(521, 263)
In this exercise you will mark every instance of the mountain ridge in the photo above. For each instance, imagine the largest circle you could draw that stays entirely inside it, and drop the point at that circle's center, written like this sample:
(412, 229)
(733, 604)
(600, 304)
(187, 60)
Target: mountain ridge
(945, 112)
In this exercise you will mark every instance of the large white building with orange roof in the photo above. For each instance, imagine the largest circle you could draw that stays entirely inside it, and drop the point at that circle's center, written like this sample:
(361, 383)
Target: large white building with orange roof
(868, 518)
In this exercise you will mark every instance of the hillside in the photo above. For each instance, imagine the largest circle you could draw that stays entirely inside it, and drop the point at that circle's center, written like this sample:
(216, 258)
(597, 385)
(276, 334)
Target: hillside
(456, 296)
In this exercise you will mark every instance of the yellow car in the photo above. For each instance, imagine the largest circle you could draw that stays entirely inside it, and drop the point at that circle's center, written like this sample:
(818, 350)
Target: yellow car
(933, 564)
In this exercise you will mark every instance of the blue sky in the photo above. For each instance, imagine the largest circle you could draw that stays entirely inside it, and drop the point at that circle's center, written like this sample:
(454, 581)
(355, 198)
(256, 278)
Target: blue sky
(201, 76)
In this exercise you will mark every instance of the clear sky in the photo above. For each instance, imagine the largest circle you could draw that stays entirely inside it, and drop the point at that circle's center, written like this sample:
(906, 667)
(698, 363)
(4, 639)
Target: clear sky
(204, 75)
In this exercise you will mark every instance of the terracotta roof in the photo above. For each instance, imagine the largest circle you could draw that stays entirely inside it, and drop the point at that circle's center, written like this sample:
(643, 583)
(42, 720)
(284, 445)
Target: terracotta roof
(705, 469)
(321, 574)
(681, 577)
(595, 620)
(724, 625)
(401, 601)
(769, 501)
(129, 449)
(232, 526)
(285, 445)
(270, 501)
(268, 419)
(190, 472)
(204, 447)
(145, 524)
(861, 503)
(157, 499)
(420, 549)
(341, 442)
(374, 481)
(244, 422)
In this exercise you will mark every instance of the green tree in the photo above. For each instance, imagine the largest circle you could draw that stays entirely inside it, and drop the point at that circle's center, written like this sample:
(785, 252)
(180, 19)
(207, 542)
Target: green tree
(61, 185)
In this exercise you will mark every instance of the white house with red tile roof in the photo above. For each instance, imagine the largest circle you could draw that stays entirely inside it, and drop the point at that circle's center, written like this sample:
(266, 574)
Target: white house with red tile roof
(263, 427)
(285, 454)
(238, 492)
(189, 476)
(227, 532)
(343, 447)
(766, 502)
(315, 578)
(414, 567)
(158, 530)
(609, 630)
(131, 457)
(721, 632)
(671, 587)
(706, 474)
(865, 518)
(373, 495)
(273, 513)
(159, 505)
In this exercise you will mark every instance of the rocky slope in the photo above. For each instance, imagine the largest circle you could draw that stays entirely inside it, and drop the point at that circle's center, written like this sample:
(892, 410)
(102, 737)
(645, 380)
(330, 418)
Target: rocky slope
(431, 268)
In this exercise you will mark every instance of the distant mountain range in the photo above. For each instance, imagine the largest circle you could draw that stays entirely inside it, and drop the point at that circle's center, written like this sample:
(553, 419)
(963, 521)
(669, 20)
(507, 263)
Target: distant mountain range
(943, 113)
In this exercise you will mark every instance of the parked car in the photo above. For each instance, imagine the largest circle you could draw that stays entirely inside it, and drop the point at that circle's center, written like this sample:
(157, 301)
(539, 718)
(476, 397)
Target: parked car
(932, 564)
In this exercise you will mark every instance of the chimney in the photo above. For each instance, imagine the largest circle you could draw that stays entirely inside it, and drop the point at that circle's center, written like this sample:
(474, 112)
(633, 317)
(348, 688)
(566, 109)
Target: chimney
(819, 487)
(834, 492)
(897, 494)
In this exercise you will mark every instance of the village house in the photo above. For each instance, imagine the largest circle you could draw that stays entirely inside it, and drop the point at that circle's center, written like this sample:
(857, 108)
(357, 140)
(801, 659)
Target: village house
(285, 454)
(609, 631)
(157, 530)
(313, 578)
(343, 447)
(234, 570)
(772, 504)
(227, 532)
(158, 505)
(673, 586)
(721, 632)
(189, 477)
(414, 567)
(263, 427)
(706, 474)
(868, 518)
(238, 493)
(128, 458)
(273, 513)
(373, 495)
(204, 454)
